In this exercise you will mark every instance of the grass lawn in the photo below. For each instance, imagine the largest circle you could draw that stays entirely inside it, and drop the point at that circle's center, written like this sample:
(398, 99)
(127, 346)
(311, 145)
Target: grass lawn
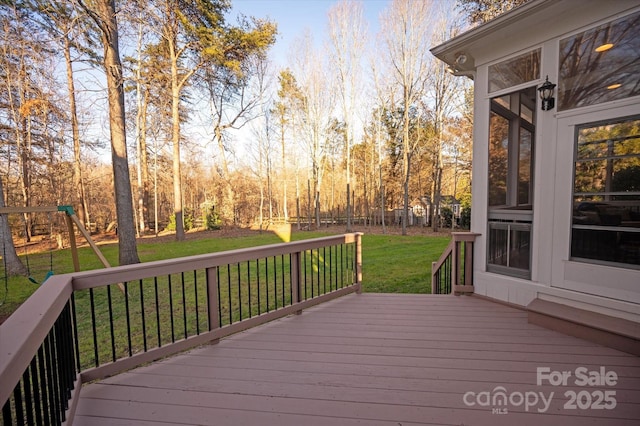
(391, 263)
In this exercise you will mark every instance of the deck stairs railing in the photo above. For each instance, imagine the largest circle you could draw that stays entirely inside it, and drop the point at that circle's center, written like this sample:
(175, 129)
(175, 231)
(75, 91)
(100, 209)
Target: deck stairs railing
(453, 271)
(89, 325)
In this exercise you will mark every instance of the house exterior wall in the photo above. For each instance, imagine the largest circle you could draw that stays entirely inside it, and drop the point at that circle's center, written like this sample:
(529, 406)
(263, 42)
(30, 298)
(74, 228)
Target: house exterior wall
(609, 290)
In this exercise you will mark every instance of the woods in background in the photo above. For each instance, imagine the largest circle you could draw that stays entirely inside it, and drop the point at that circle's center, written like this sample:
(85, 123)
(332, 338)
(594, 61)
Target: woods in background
(367, 128)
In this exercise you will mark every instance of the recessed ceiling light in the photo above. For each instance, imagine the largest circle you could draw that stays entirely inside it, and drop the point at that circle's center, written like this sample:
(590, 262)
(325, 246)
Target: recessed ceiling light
(614, 86)
(604, 47)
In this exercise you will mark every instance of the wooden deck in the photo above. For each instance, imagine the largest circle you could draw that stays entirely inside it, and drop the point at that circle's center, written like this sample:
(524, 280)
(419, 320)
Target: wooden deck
(375, 359)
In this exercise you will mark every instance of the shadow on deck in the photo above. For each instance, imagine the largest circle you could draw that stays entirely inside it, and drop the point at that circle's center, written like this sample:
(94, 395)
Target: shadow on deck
(375, 359)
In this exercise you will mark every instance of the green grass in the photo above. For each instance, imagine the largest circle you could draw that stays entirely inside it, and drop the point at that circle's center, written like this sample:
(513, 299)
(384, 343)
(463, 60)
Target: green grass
(397, 264)
(391, 263)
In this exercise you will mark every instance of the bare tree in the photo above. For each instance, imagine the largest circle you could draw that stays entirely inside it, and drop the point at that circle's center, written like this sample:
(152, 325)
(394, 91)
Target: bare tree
(347, 31)
(445, 89)
(12, 263)
(316, 108)
(381, 104)
(63, 22)
(235, 99)
(406, 26)
(103, 13)
(481, 11)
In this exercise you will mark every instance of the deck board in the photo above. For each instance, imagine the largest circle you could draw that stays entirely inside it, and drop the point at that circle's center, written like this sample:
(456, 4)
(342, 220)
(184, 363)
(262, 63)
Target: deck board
(368, 359)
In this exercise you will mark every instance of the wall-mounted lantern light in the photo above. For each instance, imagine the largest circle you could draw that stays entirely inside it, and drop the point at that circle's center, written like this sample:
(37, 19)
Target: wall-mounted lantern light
(546, 94)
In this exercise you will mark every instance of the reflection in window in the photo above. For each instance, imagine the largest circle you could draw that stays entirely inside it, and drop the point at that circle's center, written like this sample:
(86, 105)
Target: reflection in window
(606, 193)
(511, 135)
(511, 147)
(524, 168)
(498, 151)
(601, 64)
(514, 71)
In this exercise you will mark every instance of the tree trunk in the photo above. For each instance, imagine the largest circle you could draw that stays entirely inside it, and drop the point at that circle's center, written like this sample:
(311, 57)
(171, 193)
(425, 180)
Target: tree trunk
(382, 211)
(436, 198)
(140, 136)
(406, 173)
(309, 203)
(12, 264)
(175, 121)
(78, 182)
(297, 200)
(144, 162)
(285, 210)
(128, 252)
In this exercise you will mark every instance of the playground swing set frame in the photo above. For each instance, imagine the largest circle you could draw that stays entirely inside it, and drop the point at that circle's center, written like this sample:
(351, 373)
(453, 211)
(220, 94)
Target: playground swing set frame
(71, 220)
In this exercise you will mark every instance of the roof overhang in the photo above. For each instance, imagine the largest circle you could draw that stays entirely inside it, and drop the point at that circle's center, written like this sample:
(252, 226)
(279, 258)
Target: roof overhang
(533, 22)
(458, 52)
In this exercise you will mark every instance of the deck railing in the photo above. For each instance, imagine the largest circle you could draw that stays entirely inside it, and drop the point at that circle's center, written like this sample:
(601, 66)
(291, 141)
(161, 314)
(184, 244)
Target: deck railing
(453, 271)
(89, 325)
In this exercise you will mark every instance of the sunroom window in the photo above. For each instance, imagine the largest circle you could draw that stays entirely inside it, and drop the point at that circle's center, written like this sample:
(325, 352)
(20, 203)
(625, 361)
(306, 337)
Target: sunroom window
(601, 64)
(606, 193)
(515, 71)
(511, 139)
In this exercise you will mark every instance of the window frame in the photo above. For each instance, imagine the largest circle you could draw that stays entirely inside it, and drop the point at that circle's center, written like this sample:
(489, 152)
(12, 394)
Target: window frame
(513, 217)
(600, 228)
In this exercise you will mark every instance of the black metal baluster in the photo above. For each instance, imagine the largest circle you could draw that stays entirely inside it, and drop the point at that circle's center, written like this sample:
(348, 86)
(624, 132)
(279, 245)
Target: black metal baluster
(239, 291)
(354, 259)
(93, 327)
(208, 303)
(258, 281)
(318, 269)
(173, 329)
(195, 290)
(42, 372)
(155, 288)
(219, 300)
(331, 266)
(341, 265)
(304, 263)
(58, 366)
(51, 382)
(282, 275)
(249, 286)
(113, 340)
(229, 293)
(17, 404)
(66, 362)
(447, 275)
(184, 305)
(74, 326)
(324, 269)
(127, 316)
(266, 275)
(35, 386)
(291, 280)
(143, 316)
(275, 282)
(28, 397)
(6, 413)
(311, 272)
(57, 378)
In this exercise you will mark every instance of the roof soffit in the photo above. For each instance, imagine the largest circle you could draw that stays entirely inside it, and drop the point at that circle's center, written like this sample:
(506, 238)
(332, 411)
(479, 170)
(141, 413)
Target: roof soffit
(525, 26)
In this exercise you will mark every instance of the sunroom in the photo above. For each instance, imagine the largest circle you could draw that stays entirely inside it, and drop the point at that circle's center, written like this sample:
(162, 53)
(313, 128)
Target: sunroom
(556, 180)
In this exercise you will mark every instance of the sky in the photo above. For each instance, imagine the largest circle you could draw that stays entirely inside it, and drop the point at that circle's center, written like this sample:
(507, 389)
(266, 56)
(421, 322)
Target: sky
(295, 16)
